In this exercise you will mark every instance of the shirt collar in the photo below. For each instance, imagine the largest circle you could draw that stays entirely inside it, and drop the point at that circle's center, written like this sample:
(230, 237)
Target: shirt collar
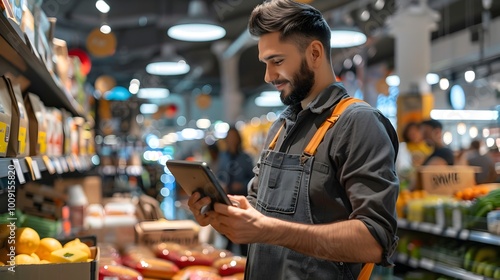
(325, 100)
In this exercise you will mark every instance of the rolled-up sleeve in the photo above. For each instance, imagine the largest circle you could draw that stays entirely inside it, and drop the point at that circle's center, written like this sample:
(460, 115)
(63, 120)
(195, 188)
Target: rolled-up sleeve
(365, 154)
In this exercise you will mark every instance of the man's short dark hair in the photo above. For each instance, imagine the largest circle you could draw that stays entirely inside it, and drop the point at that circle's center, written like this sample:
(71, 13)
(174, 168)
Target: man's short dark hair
(433, 123)
(475, 145)
(296, 22)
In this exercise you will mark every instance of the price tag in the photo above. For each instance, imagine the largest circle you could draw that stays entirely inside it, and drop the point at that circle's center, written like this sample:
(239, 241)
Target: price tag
(402, 258)
(426, 227)
(402, 223)
(76, 160)
(58, 166)
(413, 262)
(437, 229)
(427, 264)
(414, 225)
(29, 163)
(19, 171)
(451, 232)
(49, 165)
(64, 164)
(71, 166)
(464, 234)
(36, 170)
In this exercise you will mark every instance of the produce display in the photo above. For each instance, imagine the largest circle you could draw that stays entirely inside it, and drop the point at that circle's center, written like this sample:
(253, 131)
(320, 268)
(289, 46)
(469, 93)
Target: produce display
(170, 260)
(26, 247)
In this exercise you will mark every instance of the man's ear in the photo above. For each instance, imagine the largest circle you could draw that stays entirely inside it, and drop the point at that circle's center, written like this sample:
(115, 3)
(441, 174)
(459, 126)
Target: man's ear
(316, 53)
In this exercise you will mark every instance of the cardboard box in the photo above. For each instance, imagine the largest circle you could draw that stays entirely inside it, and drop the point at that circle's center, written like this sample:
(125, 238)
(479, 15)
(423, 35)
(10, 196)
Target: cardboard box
(5, 116)
(446, 180)
(55, 271)
(92, 187)
(150, 233)
(19, 134)
(37, 124)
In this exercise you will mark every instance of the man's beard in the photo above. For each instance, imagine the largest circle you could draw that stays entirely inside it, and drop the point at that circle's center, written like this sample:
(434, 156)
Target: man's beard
(301, 85)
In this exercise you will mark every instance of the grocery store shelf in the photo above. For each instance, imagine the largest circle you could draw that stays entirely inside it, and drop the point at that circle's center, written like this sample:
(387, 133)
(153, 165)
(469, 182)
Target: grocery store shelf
(436, 267)
(15, 51)
(34, 166)
(131, 170)
(462, 234)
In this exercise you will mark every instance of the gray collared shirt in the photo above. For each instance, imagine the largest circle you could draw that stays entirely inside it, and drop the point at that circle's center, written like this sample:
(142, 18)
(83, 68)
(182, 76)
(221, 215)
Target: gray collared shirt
(354, 174)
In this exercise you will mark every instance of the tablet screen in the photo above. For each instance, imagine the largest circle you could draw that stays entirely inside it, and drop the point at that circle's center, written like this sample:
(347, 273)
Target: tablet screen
(196, 176)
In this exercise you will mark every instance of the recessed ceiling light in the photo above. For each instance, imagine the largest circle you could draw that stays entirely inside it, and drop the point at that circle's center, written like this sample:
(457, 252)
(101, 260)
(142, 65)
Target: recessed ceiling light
(166, 68)
(148, 109)
(153, 93)
(196, 32)
(102, 6)
(346, 38)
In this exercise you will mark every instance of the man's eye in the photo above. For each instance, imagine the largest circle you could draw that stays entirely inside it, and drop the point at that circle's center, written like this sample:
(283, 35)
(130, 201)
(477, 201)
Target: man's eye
(278, 62)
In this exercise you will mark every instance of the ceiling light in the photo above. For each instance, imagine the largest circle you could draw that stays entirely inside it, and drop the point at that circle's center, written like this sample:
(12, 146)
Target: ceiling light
(357, 59)
(168, 68)
(133, 88)
(148, 108)
(346, 37)
(364, 15)
(469, 76)
(105, 29)
(102, 6)
(168, 63)
(432, 78)
(203, 123)
(444, 84)
(379, 4)
(465, 115)
(197, 27)
(473, 132)
(393, 80)
(153, 93)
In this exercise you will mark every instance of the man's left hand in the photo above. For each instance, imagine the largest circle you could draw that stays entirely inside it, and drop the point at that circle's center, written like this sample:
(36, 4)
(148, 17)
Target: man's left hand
(242, 224)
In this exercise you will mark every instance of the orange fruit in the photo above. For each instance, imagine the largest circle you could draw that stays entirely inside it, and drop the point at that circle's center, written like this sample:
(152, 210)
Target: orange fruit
(76, 243)
(27, 240)
(47, 246)
(44, 261)
(25, 259)
(2, 264)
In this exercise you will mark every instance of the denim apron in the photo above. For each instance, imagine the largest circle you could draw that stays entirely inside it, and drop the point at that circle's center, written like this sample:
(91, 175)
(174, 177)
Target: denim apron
(284, 194)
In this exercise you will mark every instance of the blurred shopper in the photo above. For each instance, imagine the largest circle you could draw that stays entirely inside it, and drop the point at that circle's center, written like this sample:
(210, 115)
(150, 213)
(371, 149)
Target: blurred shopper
(433, 134)
(474, 157)
(322, 202)
(235, 170)
(412, 153)
(416, 144)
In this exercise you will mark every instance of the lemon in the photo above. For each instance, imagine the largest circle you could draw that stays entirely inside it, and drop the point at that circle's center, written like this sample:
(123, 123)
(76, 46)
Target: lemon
(25, 259)
(76, 243)
(27, 240)
(47, 246)
(35, 257)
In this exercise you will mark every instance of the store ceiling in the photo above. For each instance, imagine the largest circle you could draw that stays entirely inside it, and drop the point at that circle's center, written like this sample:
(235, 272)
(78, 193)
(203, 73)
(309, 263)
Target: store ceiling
(140, 28)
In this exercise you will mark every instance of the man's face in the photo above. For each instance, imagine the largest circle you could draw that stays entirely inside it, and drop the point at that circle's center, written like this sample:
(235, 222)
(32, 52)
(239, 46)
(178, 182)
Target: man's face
(286, 68)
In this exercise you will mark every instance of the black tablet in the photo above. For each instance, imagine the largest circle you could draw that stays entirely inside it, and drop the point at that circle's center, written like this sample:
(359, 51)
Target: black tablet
(195, 176)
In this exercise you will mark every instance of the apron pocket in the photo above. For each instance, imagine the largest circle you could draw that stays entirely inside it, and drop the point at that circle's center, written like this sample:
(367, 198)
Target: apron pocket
(279, 189)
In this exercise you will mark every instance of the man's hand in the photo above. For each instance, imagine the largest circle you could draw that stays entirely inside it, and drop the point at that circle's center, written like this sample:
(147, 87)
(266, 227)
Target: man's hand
(196, 203)
(241, 224)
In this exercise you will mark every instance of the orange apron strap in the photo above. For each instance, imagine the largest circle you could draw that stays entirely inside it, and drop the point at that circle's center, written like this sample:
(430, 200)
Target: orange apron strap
(275, 139)
(366, 271)
(310, 149)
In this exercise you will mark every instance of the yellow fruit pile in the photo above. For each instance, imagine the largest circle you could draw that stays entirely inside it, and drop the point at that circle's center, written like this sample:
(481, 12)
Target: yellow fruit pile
(30, 249)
